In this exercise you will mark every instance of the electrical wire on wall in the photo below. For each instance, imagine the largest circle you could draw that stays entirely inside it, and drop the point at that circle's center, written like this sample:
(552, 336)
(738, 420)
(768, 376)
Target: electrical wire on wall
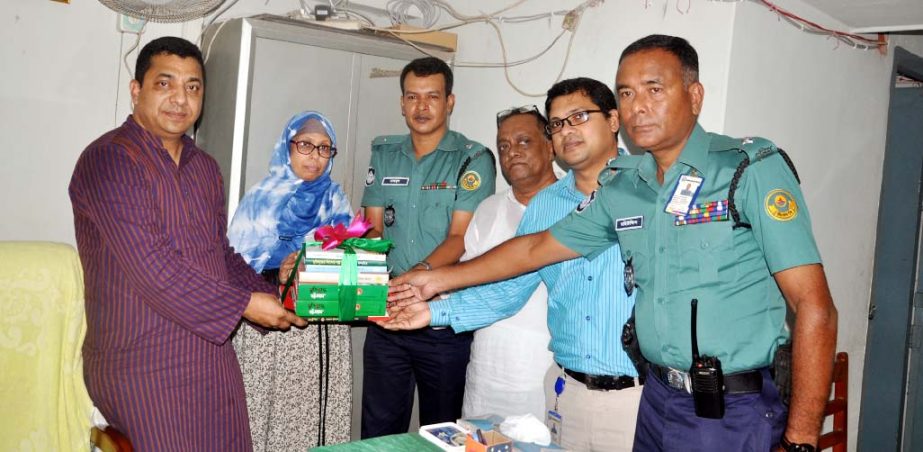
(425, 14)
(124, 60)
(211, 19)
(207, 22)
(399, 11)
(336, 7)
(132, 48)
(850, 39)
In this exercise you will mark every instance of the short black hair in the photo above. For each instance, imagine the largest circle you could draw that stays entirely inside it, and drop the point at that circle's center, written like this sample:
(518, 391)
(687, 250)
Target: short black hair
(167, 45)
(597, 91)
(424, 67)
(688, 57)
(540, 120)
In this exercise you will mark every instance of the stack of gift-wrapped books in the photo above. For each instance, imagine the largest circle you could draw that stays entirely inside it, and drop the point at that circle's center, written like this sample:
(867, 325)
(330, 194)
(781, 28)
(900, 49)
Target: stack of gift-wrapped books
(320, 292)
(323, 267)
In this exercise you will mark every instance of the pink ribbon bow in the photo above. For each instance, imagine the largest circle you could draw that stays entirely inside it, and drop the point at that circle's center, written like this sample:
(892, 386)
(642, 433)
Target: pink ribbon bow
(332, 236)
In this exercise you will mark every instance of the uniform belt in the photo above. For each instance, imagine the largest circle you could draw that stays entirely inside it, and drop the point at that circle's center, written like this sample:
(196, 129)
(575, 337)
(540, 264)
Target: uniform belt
(602, 382)
(746, 382)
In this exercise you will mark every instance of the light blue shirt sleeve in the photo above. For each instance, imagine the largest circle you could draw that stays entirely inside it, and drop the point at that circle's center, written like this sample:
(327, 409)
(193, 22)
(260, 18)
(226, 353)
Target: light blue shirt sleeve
(587, 303)
(480, 306)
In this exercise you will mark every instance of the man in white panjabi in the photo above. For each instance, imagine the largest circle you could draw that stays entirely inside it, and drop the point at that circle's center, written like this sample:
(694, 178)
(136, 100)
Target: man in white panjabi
(510, 358)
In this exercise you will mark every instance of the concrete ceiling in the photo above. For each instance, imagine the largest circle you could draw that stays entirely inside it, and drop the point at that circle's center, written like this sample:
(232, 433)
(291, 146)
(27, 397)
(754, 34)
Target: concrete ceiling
(874, 16)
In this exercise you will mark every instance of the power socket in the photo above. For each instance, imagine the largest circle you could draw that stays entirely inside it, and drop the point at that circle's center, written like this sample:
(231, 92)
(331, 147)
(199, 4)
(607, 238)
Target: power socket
(128, 24)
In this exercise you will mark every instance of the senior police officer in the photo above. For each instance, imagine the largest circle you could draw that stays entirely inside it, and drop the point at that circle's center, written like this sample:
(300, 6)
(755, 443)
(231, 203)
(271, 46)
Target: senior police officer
(421, 192)
(741, 245)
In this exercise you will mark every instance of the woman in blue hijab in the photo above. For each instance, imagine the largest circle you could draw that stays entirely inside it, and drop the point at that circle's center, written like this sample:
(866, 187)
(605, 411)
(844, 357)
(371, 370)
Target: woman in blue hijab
(296, 197)
(298, 382)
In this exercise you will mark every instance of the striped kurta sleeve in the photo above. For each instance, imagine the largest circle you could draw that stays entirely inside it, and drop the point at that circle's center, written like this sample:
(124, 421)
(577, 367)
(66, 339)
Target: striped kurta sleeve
(117, 190)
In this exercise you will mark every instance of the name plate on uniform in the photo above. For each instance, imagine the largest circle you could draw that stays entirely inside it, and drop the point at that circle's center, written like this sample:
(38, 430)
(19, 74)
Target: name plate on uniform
(395, 181)
(627, 224)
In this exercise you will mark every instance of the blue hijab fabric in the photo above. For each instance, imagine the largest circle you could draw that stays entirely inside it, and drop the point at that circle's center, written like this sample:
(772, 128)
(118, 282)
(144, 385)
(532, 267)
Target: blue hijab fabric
(276, 215)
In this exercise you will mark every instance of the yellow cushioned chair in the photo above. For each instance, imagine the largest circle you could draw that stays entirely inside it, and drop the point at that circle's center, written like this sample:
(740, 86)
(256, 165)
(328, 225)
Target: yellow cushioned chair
(44, 404)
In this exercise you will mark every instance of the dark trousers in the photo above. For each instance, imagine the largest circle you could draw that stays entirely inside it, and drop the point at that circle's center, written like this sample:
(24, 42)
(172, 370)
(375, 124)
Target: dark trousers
(394, 363)
(667, 421)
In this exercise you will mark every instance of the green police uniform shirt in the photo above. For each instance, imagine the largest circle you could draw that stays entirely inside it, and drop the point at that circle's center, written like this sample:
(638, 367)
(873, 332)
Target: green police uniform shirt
(741, 311)
(419, 196)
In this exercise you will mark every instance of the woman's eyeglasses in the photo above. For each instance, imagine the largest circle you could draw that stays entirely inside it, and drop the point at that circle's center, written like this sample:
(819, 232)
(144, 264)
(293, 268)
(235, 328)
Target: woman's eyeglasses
(306, 148)
(555, 125)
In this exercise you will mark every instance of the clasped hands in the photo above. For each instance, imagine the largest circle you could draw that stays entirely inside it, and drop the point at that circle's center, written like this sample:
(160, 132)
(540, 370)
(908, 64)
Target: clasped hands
(408, 296)
(407, 301)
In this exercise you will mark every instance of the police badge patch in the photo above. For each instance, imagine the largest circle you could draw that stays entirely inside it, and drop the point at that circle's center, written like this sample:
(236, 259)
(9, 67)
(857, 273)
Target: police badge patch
(586, 202)
(780, 205)
(470, 181)
(370, 177)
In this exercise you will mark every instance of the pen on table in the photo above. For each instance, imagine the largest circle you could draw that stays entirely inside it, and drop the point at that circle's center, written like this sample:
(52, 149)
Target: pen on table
(480, 437)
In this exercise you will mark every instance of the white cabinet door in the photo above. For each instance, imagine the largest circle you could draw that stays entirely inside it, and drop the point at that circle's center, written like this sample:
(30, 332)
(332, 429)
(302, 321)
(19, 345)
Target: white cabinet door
(378, 111)
(289, 78)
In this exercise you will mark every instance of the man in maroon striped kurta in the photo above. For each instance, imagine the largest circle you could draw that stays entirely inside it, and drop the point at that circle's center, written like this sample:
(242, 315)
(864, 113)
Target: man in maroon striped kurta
(164, 290)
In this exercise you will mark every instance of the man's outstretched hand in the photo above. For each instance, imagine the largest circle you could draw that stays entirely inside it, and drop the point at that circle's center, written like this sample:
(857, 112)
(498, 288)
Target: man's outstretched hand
(409, 316)
(414, 286)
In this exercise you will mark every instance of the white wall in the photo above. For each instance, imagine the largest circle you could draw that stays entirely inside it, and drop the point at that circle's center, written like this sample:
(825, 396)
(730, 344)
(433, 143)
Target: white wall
(64, 84)
(827, 106)
(910, 43)
(66, 64)
(604, 31)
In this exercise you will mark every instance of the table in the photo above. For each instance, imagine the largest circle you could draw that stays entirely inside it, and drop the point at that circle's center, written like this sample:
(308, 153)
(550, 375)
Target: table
(404, 442)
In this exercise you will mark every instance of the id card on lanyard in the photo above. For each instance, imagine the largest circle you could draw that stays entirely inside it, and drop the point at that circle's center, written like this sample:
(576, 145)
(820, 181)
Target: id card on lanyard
(684, 194)
(554, 420)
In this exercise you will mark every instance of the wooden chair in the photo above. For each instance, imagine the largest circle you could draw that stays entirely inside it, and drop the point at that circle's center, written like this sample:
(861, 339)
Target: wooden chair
(109, 440)
(838, 406)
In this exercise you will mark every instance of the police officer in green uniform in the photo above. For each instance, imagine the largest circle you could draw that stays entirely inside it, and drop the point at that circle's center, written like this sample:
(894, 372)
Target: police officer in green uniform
(421, 192)
(698, 216)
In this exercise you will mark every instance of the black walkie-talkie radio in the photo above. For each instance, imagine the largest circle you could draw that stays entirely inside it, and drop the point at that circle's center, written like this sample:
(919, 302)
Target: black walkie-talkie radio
(707, 379)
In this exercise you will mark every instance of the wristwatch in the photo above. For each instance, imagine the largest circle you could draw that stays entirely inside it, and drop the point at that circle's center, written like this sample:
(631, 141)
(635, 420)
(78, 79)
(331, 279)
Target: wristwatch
(424, 264)
(789, 446)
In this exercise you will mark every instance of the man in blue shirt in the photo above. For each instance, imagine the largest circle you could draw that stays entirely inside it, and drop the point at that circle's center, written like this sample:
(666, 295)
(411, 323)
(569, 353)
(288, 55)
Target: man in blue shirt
(587, 303)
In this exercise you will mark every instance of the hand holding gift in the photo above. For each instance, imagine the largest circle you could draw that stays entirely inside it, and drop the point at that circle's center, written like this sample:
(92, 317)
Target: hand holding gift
(264, 310)
(288, 264)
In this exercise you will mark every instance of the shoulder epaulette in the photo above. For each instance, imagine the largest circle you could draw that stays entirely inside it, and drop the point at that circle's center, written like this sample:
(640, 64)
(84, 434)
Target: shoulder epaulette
(625, 161)
(388, 140)
(757, 148)
(723, 143)
(474, 149)
(616, 164)
(754, 150)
